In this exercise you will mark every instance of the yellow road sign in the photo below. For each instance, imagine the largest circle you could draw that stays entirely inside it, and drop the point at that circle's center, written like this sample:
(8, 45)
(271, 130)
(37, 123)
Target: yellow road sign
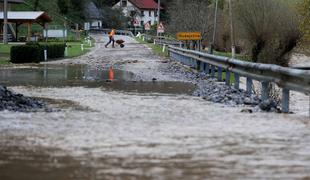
(189, 36)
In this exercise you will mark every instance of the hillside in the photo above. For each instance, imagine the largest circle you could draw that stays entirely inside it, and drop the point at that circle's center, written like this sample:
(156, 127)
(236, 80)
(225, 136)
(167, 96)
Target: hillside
(53, 10)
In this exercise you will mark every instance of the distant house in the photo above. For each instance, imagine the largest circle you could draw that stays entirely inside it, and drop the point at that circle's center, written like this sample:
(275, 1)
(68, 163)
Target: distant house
(11, 30)
(93, 15)
(142, 11)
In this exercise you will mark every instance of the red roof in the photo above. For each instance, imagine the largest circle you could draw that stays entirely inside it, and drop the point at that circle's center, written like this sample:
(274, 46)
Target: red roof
(145, 4)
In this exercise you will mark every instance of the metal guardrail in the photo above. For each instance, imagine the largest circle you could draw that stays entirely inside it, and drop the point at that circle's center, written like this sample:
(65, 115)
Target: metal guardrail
(286, 78)
(162, 40)
(168, 42)
(107, 31)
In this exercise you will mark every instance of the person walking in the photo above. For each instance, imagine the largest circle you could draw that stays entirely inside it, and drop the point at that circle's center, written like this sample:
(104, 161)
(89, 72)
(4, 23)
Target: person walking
(111, 37)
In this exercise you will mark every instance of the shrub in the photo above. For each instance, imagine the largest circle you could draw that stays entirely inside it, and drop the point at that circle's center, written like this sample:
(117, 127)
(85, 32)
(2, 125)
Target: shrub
(55, 50)
(34, 52)
(26, 54)
(270, 27)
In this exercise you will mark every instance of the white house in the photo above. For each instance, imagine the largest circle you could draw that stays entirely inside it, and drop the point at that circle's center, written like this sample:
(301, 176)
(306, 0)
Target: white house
(93, 15)
(142, 11)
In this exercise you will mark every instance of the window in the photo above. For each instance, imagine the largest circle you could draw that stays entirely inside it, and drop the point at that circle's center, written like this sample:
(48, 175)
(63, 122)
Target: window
(132, 13)
(155, 13)
(150, 22)
(124, 3)
(150, 13)
(142, 23)
(142, 13)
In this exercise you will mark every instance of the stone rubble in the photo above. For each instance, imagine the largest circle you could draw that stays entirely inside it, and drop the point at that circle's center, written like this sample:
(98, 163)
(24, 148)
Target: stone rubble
(218, 92)
(18, 103)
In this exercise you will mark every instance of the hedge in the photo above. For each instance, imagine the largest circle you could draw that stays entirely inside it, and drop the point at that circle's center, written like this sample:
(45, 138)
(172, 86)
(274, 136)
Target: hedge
(34, 52)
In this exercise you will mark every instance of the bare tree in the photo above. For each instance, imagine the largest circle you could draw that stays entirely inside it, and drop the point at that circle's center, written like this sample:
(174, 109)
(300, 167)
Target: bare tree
(113, 18)
(191, 15)
(270, 27)
(36, 5)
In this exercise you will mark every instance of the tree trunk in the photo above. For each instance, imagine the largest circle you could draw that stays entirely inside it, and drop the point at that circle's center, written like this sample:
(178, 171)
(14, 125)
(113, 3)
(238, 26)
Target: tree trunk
(36, 5)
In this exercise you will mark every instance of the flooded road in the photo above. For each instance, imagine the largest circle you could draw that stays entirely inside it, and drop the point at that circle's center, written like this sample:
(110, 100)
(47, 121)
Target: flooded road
(50, 75)
(126, 132)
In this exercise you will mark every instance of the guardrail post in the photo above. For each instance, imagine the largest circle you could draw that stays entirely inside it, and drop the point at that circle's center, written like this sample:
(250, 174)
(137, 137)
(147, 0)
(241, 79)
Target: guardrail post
(184, 60)
(179, 58)
(249, 85)
(227, 77)
(196, 63)
(202, 66)
(193, 63)
(237, 81)
(285, 100)
(212, 71)
(219, 74)
(207, 68)
(265, 90)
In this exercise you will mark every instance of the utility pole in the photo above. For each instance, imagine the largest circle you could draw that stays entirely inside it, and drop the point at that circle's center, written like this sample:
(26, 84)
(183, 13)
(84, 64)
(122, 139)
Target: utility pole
(233, 43)
(5, 22)
(215, 25)
(158, 14)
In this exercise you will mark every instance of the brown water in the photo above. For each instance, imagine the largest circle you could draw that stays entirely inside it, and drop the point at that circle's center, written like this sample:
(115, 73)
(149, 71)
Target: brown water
(122, 131)
(86, 76)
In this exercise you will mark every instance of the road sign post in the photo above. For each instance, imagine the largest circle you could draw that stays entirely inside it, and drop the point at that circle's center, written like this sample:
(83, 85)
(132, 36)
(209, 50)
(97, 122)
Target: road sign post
(160, 28)
(135, 24)
(190, 36)
(147, 26)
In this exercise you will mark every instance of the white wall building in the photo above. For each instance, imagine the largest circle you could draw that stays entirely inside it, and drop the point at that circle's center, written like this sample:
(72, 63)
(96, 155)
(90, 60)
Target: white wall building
(93, 15)
(141, 10)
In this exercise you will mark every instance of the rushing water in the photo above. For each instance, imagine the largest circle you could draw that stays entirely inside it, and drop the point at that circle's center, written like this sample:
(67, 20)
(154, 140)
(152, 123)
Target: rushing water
(122, 131)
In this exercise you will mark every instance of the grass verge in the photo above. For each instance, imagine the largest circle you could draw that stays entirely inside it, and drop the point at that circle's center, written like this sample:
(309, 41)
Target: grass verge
(232, 77)
(5, 53)
(228, 54)
(75, 50)
(157, 49)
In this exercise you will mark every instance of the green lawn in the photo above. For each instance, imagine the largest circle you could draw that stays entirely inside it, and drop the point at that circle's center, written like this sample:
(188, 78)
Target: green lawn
(74, 48)
(232, 77)
(157, 49)
(5, 53)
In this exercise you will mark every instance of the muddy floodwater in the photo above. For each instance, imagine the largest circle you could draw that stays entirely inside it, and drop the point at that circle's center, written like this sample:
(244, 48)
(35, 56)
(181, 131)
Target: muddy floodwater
(128, 128)
(86, 76)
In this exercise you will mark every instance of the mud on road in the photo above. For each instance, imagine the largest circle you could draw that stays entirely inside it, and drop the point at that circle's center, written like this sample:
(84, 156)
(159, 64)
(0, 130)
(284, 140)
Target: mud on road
(147, 135)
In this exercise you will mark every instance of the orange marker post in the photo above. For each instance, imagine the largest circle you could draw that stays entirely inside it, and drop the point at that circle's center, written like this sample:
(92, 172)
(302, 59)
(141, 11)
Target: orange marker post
(111, 74)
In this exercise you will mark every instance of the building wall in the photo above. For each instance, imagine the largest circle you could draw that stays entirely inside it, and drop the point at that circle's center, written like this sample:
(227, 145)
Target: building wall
(96, 24)
(141, 18)
(149, 15)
